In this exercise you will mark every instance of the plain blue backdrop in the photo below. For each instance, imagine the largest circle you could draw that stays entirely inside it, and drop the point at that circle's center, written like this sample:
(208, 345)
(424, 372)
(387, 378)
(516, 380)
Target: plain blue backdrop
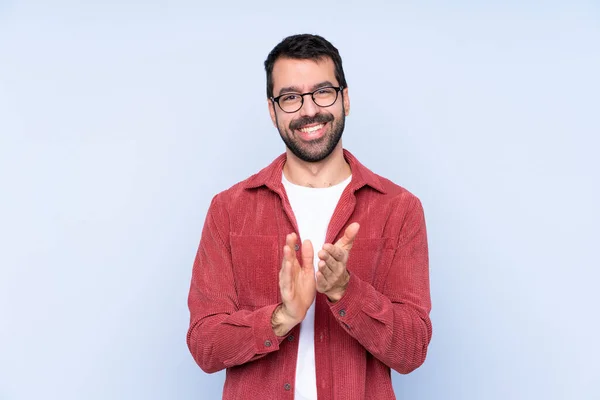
(120, 120)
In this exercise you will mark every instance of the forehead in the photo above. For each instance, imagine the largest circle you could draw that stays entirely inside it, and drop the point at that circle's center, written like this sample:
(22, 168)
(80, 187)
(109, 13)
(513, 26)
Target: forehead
(288, 72)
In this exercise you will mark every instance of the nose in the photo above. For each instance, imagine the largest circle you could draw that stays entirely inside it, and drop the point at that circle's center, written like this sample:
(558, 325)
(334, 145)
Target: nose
(309, 108)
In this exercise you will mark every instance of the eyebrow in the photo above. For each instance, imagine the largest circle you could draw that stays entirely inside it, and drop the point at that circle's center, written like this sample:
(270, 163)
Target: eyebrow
(295, 89)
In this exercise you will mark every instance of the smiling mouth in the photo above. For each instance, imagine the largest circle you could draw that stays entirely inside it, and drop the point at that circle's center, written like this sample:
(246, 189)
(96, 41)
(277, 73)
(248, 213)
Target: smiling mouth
(309, 133)
(311, 128)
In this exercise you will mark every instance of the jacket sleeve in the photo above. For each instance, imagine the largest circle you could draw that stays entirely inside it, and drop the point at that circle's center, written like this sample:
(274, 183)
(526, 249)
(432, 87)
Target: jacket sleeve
(221, 335)
(394, 325)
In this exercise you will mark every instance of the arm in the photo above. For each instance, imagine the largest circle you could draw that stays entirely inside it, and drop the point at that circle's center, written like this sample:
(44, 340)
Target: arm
(220, 334)
(393, 325)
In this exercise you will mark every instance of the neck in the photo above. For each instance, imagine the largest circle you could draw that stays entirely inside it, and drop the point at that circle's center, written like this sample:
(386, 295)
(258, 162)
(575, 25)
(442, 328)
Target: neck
(328, 172)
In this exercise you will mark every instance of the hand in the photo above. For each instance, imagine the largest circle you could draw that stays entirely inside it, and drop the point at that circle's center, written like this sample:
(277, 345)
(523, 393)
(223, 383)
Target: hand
(332, 276)
(296, 284)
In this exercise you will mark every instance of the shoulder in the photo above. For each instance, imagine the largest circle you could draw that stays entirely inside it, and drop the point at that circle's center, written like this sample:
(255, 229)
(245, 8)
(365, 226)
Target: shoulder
(397, 193)
(232, 194)
(384, 190)
(248, 188)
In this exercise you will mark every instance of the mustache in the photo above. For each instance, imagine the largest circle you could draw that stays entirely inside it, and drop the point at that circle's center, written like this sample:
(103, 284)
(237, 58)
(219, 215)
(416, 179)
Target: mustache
(315, 119)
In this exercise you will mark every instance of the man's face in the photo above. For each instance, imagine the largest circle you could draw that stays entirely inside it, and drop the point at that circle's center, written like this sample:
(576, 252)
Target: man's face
(312, 132)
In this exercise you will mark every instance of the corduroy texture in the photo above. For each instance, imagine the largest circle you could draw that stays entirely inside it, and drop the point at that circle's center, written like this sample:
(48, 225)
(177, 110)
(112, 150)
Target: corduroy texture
(382, 321)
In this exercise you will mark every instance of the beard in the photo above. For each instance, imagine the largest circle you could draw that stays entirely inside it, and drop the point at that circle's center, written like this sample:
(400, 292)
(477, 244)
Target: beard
(318, 149)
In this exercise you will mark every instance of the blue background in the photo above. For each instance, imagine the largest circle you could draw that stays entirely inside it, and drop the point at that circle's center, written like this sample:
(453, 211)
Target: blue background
(120, 120)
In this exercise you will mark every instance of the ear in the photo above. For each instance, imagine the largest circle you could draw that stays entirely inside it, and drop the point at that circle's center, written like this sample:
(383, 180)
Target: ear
(346, 101)
(272, 112)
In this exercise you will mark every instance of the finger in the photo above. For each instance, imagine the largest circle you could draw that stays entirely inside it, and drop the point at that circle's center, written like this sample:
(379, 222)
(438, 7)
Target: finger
(347, 240)
(325, 270)
(285, 278)
(333, 265)
(322, 284)
(287, 253)
(291, 239)
(324, 254)
(308, 255)
(335, 252)
(332, 268)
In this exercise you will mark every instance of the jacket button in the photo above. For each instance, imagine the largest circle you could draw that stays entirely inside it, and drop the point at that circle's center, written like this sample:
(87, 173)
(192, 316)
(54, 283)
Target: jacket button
(296, 247)
(291, 338)
(268, 343)
(287, 386)
(342, 313)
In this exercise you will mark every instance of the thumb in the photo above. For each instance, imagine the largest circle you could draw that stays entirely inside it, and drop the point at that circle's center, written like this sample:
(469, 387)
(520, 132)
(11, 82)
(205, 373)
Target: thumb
(347, 240)
(308, 254)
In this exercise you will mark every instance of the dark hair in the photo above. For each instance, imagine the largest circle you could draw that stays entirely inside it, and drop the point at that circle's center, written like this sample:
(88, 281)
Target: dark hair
(304, 47)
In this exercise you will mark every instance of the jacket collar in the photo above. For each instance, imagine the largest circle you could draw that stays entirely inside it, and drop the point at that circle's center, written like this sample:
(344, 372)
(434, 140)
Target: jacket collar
(270, 176)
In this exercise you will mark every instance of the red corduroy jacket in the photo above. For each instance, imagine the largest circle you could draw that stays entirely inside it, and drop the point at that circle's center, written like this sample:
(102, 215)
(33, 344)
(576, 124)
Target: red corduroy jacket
(382, 321)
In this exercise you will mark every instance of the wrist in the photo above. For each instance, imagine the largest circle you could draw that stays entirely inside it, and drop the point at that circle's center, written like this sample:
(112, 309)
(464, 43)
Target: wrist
(281, 322)
(336, 295)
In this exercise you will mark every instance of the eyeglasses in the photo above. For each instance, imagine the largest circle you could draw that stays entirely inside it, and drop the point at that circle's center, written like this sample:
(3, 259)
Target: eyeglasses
(323, 97)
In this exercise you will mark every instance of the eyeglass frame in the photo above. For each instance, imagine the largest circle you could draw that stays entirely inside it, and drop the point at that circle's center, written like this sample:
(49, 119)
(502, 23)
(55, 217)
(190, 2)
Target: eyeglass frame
(338, 90)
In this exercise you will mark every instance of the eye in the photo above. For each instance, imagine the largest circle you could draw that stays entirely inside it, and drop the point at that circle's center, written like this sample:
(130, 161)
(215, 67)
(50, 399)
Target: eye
(325, 92)
(289, 98)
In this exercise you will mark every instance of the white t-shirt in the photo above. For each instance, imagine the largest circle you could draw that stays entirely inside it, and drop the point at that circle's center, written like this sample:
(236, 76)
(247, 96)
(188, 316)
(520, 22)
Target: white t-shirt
(313, 208)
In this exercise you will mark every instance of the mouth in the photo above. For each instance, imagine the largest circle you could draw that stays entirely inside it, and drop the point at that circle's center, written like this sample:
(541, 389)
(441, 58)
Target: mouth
(311, 131)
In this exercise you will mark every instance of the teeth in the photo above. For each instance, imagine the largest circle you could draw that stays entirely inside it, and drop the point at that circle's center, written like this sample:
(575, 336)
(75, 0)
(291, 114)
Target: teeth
(311, 129)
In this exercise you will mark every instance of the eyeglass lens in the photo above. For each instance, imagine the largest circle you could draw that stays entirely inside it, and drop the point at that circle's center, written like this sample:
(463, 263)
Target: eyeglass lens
(323, 97)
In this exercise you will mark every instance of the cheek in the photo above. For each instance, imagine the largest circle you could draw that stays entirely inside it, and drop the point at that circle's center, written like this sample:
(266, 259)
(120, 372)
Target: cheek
(339, 114)
(285, 122)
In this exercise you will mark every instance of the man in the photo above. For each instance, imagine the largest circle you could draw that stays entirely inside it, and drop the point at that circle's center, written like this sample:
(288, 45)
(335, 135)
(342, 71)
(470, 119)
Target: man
(328, 316)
